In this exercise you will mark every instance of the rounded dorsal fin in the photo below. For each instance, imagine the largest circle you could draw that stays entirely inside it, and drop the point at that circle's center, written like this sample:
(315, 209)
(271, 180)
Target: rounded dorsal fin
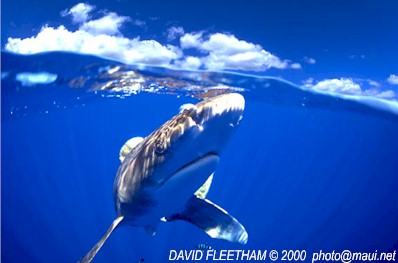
(129, 146)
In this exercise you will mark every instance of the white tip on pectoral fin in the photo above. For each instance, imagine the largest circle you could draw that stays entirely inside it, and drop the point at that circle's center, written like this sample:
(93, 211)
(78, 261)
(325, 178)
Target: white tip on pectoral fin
(91, 254)
(212, 219)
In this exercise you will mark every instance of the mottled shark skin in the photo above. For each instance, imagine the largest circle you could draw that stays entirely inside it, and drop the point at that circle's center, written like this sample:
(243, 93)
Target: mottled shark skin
(166, 176)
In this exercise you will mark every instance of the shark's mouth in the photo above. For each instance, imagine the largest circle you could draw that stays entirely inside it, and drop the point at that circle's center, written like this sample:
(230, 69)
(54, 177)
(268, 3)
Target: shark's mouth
(196, 161)
(201, 167)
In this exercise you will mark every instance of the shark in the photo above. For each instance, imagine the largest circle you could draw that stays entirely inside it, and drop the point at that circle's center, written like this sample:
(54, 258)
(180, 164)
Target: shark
(166, 176)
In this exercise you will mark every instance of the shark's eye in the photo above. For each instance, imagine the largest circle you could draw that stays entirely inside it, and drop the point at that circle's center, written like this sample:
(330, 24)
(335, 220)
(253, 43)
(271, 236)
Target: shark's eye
(159, 147)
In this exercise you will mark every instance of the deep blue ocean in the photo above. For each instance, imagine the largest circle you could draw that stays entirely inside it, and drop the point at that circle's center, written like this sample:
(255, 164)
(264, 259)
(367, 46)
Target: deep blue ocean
(305, 170)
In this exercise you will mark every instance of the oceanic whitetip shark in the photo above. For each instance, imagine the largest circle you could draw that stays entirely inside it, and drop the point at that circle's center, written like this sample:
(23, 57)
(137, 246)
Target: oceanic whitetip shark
(166, 176)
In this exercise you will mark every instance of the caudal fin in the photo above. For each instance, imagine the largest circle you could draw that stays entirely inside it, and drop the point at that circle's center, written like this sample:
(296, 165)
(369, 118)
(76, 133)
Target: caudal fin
(91, 254)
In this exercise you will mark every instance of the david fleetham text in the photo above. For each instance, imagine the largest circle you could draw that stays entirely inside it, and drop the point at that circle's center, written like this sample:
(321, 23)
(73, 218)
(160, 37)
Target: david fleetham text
(214, 255)
(345, 256)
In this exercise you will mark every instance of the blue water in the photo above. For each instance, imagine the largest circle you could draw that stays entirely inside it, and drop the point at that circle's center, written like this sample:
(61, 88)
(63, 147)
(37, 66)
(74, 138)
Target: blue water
(303, 171)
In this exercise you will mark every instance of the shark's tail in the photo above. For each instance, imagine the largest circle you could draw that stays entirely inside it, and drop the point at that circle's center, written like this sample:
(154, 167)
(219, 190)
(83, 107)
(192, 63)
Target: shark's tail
(91, 254)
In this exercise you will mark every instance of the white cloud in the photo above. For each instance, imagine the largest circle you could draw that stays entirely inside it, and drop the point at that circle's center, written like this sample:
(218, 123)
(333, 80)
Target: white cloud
(228, 52)
(295, 66)
(309, 60)
(374, 83)
(79, 13)
(191, 40)
(342, 86)
(115, 47)
(228, 45)
(48, 39)
(108, 25)
(102, 37)
(189, 62)
(393, 79)
(149, 52)
(98, 37)
(347, 86)
(174, 32)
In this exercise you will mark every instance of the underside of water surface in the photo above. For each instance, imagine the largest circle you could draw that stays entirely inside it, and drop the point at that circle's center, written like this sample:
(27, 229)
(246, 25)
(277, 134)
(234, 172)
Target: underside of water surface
(305, 170)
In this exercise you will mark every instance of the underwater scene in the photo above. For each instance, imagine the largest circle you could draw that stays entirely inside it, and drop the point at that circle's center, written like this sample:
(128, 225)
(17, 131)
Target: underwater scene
(294, 169)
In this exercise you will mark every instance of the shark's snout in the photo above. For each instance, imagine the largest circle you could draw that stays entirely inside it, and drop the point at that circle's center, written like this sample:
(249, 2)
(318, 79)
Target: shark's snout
(227, 106)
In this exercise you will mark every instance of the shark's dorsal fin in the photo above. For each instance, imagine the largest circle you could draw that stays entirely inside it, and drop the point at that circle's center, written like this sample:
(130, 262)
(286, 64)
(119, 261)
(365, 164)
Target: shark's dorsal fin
(91, 254)
(204, 189)
(129, 146)
(212, 219)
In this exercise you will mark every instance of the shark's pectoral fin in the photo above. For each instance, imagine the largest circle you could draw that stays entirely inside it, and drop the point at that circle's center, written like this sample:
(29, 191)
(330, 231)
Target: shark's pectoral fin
(212, 219)
(91, 254)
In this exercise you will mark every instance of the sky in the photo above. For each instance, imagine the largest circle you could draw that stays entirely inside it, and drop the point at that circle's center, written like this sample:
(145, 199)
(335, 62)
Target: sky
(347, 47)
